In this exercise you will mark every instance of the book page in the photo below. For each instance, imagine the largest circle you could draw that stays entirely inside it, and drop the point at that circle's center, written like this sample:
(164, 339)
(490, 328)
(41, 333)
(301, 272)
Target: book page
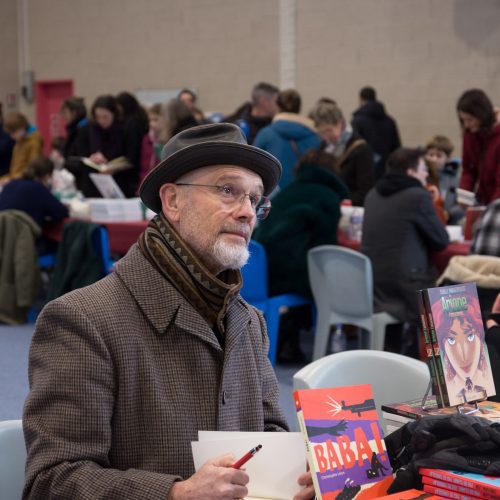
(107, 186)
(273, 471)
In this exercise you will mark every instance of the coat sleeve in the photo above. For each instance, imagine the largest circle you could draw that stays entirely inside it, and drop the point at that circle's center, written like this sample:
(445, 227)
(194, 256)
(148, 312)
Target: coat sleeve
(68, 416)
(429, 225)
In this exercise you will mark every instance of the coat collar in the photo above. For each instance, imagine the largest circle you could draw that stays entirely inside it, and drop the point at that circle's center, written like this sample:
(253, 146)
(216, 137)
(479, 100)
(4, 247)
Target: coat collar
(163, 306)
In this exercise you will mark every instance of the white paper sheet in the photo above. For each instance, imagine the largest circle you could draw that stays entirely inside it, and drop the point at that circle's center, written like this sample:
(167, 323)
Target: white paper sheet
(273, 471)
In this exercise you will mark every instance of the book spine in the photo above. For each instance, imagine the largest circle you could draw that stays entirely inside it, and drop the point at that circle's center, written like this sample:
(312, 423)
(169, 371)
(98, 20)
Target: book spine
(486, 490)
(429, 351)
(445, 400)
(310, 457)
(453, 487)
(442, 492)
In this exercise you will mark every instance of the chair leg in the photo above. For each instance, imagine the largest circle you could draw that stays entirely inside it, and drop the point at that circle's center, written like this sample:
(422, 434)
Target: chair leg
(321, 336)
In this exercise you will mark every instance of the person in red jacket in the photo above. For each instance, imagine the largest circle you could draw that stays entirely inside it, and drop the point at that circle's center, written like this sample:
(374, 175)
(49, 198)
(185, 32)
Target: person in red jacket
(481, 146)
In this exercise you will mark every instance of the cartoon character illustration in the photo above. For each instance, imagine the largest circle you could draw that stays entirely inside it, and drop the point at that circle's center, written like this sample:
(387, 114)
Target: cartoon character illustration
(460, 335)
(350, 490)
(377, 468)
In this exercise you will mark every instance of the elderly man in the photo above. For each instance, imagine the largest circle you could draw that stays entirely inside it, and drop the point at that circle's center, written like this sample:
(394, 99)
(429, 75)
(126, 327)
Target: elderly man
(124, 373)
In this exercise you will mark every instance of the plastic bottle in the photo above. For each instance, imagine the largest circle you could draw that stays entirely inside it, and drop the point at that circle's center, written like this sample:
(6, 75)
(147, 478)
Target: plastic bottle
(338, 340)
(356, 224)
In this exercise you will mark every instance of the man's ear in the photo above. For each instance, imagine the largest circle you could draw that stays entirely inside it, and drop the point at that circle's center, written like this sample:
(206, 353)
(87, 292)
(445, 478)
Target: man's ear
(169, 196)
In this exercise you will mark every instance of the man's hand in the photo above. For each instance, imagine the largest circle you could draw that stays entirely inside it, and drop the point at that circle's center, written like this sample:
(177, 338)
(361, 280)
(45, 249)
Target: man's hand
(495, 309)
(216, 479)
(308, 492)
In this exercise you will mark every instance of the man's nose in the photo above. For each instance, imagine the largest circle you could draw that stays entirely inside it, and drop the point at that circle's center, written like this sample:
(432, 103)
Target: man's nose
(245, 208)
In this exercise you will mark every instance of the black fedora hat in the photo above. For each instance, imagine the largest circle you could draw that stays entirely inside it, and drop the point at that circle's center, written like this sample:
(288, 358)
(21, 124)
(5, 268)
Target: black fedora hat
(203, 146)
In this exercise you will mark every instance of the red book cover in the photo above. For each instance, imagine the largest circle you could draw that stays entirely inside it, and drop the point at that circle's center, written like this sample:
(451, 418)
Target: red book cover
(444, 493)
(346, 450)
(451, 486)
(460, 336)
(487, 486)
(410, 495)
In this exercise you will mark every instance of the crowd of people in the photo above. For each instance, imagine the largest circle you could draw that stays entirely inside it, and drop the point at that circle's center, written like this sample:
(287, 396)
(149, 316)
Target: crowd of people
(125, 372)
(408, 195)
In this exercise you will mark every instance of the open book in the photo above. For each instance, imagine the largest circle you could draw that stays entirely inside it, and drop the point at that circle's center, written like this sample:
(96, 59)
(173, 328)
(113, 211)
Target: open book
(111, 167)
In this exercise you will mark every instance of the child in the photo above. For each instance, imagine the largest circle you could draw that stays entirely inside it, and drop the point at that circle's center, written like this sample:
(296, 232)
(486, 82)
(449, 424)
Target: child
(444, 173)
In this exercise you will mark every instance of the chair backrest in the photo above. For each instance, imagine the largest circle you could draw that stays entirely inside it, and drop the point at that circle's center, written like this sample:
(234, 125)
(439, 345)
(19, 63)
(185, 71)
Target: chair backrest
(254, 275)
(341, 280)
(393, 377)
(12, 459)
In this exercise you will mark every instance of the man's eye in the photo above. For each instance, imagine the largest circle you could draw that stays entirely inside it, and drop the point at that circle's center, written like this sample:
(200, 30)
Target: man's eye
(451, 340)
(227, 190)
(254, 199)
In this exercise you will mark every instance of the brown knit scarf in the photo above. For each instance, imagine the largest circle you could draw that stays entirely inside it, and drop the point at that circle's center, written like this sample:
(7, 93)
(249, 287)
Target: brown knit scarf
(210, 295)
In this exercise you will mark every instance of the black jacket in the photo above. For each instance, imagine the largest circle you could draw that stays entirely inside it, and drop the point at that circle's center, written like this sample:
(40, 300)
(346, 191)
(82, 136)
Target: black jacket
(400, 227)
(248, 123)
(378, 129)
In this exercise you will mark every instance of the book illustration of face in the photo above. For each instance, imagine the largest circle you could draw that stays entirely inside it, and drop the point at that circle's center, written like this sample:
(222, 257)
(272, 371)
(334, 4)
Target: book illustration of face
(463, 347)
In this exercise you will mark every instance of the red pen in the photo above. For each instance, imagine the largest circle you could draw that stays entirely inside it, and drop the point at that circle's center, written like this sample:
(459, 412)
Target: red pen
(246, 457)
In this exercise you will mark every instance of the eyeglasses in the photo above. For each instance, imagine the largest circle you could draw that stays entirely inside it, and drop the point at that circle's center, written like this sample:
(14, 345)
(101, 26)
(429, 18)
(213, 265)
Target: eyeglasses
(231, 194)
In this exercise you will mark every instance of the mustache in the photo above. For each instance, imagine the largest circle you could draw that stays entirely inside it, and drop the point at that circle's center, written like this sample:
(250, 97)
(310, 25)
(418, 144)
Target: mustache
(243, 229)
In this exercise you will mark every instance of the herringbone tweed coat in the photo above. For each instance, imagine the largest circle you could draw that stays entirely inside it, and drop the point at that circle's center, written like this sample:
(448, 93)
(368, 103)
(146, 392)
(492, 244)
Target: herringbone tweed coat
(123, 373)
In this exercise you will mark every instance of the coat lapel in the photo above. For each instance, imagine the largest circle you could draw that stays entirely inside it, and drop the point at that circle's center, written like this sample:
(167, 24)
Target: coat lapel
(159, 301)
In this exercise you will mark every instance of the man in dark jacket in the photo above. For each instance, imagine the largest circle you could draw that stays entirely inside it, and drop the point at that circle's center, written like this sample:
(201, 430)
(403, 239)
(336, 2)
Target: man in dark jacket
(400, 227)
(378, 129)
(255, 115)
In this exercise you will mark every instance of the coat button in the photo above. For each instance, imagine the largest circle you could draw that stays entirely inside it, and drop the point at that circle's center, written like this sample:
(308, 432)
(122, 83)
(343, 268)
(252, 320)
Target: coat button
(224, 397)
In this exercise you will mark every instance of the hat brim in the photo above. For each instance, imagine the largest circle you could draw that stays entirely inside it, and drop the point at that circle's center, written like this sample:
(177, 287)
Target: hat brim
(207, 154)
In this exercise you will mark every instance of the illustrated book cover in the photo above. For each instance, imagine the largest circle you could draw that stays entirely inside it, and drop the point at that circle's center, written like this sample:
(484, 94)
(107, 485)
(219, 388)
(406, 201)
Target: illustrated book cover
(457, 331)
(487, 487)
(344, 442)
(453, 487)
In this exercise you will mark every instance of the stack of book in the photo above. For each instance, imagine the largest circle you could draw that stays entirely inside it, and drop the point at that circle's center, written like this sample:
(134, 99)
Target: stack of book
(456, 351)
(460, 485)
(398, 414)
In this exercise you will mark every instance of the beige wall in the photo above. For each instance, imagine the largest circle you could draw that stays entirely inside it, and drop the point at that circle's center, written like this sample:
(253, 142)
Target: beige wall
(419, 54)
(9, 83)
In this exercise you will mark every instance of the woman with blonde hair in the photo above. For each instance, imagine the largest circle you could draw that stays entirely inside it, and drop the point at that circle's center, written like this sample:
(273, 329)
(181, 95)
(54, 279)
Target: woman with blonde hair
(354, 156)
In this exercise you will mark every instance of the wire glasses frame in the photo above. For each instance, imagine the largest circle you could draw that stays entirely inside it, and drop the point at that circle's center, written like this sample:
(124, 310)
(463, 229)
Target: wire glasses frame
(231, 194)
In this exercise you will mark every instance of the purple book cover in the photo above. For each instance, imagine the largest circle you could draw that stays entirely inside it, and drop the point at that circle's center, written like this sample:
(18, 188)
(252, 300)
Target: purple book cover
(460, 335)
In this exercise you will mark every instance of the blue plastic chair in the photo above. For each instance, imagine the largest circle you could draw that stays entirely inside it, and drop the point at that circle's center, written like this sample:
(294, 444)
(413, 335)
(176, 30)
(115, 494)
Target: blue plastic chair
(255, 292)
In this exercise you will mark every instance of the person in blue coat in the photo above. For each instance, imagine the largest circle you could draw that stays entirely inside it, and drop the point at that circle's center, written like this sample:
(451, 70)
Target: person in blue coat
(289, 136)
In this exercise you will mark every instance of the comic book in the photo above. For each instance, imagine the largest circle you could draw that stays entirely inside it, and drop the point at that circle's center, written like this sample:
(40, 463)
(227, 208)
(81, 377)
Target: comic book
(345, 447)
(412, 410)
(487, 487)
(429, 351)
(442, 398)
(457, 334)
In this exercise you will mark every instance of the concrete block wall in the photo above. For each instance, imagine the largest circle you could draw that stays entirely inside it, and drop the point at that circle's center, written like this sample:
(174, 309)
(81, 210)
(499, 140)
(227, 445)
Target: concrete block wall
(419, 54)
